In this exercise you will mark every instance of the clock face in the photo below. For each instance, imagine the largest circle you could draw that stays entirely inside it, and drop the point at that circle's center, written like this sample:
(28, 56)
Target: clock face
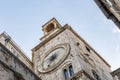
(54, 58)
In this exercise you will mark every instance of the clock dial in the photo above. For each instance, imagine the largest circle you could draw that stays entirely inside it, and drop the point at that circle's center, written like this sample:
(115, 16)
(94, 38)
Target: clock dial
(54, 58)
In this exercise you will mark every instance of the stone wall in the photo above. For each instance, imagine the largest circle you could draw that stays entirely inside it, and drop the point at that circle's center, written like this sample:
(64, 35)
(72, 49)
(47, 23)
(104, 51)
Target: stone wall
(5, 73)
(15, 49)
(11, 68)
(116, 74)
(110, 11)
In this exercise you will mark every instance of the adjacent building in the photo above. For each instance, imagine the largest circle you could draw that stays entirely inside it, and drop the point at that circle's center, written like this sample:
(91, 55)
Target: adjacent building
(12, 46)
(14, 65)
(111, 9)
(116, 74)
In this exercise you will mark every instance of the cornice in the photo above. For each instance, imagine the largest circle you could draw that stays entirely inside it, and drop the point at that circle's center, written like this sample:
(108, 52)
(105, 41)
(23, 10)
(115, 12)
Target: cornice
(53, 19)
(115, 72)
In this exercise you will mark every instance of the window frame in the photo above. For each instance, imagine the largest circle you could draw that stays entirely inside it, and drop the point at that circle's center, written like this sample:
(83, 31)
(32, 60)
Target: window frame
(67, 67)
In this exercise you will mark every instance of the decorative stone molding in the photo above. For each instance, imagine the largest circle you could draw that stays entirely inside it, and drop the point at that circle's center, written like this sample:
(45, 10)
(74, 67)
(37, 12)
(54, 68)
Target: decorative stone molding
(66, 48)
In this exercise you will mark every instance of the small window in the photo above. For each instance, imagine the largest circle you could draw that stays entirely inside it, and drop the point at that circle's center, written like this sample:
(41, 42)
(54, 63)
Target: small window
(78, 43)
(7, 39)
(66, 74)
(71, 71)
(87, 49)
(95, 75)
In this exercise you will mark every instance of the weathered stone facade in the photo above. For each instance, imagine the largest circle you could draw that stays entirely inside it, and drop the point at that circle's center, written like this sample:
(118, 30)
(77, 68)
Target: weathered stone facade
(116, 5)
(10, 44)
(116, 74)
(14, 65)
(11, 68)
(111, 9)
(63, 55)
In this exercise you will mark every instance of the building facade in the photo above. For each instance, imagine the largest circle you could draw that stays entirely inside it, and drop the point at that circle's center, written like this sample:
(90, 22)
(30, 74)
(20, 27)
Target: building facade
(111, 9)
(63, 55)
(116, 74)
(14, 65)
(12, 46)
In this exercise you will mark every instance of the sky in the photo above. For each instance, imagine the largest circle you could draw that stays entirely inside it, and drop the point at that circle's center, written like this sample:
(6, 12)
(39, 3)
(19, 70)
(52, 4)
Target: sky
(23, 20)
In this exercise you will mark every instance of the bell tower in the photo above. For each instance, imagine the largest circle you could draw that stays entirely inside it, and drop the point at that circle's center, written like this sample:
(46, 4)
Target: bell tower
(50, 28)
(63, 55)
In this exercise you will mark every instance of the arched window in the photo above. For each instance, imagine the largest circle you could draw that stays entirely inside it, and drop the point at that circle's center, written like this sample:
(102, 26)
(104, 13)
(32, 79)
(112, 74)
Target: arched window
(71, 71)
(50, 27)
(66, 74)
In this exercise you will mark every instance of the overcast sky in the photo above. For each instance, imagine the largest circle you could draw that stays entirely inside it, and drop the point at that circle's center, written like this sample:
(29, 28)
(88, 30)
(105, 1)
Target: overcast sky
(22, 20)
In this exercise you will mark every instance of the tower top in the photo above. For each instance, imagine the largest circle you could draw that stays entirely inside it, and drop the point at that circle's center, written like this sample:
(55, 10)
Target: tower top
(50, 26)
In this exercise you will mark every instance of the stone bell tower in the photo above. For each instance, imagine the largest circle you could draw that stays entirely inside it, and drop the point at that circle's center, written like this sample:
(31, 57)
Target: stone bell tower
(50, 28)
(63, 55)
